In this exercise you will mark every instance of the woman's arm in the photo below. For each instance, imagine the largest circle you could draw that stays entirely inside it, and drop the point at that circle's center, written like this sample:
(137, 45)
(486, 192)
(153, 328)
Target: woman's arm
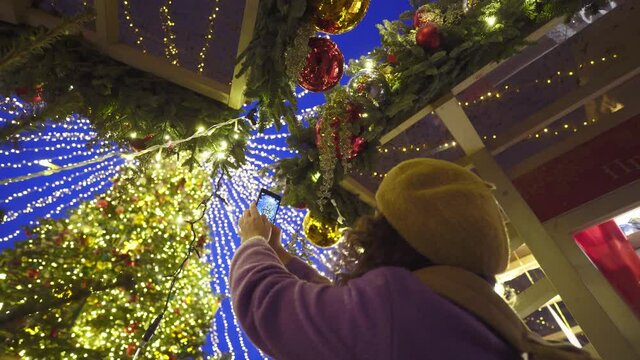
(289, 318)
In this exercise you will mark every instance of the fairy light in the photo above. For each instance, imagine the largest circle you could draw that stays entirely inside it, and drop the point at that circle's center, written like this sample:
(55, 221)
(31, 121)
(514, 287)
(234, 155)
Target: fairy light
(553, 77)
(208, 37)
(170, 49)
(62, 145)
(127, 15)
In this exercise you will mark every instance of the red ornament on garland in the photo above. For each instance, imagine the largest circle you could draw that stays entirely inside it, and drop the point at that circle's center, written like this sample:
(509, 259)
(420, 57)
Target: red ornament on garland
(131, 328)
(392, 58)
(131, 349)
(102, 203)
(33, 273)
(428, 37)
(324, 66)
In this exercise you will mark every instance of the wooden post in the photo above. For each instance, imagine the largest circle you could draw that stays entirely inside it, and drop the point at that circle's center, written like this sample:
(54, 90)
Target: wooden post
(238, 84)
(13, 11)
(107, 21)
(611, 341)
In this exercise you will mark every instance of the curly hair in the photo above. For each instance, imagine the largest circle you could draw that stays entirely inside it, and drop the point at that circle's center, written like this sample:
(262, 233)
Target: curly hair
(373, 243)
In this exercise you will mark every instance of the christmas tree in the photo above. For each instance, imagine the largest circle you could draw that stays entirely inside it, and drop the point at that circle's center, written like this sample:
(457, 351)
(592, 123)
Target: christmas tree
(88, 285)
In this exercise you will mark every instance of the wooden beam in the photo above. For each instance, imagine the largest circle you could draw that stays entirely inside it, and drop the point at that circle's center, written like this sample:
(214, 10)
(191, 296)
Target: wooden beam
(13, 11)
(518, 267)
(459, 126)
(352, 185)
(238, 84)
(406, 124)
(533, 37)
(145, 62)
(612, 339)
(534, 297)
(107, 21)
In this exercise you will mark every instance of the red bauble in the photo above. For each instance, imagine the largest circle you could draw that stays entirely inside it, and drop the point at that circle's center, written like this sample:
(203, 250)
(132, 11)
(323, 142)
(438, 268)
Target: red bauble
(131, 328)
(428, 37)
(392, 58)
(131, 349)
(119, 210)
(33, 273)
(324, 66)
(102, 203)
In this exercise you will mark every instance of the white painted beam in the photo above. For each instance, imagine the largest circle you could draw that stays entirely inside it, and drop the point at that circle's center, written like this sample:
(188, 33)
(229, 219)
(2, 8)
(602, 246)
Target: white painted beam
(238, 84)
(350, 184)
(613, 339)
(534, 297)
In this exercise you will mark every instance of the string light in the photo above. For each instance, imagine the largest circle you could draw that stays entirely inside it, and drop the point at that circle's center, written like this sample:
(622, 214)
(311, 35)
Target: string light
(554, 77)
(78, 185)
(208, 37)
(126, 7)
(170, 49)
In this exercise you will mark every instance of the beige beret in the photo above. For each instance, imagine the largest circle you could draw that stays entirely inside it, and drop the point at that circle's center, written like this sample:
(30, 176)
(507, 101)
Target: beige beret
(447, 213)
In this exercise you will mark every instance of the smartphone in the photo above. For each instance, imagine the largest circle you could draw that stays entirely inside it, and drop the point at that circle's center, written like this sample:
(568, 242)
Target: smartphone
(268, 204)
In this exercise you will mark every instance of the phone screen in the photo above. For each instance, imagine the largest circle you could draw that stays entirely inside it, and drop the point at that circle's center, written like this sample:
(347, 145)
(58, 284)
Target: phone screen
(268, 204)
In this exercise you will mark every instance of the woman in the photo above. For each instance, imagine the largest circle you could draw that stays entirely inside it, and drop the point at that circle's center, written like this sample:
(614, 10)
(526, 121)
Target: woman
(418, 282)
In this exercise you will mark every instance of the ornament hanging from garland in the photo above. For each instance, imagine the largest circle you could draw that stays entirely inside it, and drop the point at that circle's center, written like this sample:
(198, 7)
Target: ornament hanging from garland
(324, 65)
(428, 37)
(371, 85)
(320, 234)
(337, 16)
(426, 14)
(356, 143)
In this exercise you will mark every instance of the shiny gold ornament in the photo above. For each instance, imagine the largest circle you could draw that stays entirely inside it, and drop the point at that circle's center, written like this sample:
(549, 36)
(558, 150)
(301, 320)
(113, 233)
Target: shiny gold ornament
(320, 234)
(337, 16)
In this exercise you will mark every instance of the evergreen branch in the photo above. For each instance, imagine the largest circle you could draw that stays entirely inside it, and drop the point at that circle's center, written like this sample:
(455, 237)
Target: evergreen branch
(40, 40)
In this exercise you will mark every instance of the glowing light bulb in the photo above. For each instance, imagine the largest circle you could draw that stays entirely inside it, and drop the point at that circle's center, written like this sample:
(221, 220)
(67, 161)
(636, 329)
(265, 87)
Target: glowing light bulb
(223, 144)
(490, 20)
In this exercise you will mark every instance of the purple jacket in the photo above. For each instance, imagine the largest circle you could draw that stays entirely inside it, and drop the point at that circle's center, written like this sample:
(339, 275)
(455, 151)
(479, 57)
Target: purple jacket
(385, 314)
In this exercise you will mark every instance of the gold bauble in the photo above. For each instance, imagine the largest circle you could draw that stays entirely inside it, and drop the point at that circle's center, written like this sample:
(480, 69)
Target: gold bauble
(320, 234)
(337, 16)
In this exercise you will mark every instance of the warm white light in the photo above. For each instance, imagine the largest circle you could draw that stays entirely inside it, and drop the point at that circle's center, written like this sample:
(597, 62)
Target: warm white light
(491, 20)
(223, 144)
(133, 135)
(47, 163)
(221, 155)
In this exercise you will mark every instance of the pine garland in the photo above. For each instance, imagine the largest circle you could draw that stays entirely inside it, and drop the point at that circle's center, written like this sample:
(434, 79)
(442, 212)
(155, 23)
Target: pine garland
(264, 59)
(417, 78)
(124, 105)
(36, 41)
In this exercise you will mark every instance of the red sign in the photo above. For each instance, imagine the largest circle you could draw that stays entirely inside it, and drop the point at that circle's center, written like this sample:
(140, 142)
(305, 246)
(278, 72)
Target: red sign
(590, 170)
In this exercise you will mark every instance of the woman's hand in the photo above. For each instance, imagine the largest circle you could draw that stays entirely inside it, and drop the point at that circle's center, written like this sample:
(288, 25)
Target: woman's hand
(252, 224)
(275, 241)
